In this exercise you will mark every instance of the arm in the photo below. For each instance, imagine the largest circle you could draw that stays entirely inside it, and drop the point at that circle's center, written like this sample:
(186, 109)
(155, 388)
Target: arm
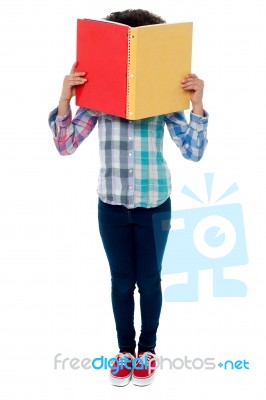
(68, 134)
(190, 138)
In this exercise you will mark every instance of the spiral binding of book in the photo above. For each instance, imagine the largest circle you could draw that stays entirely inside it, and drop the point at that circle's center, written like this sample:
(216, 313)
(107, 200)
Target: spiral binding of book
(132, 73)
(128, 112)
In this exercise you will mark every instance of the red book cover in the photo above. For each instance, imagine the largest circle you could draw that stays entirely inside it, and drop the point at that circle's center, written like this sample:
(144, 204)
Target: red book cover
(102, 52)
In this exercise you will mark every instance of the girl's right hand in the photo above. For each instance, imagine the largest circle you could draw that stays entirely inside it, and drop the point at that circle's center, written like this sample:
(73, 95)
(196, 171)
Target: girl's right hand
(70, 81)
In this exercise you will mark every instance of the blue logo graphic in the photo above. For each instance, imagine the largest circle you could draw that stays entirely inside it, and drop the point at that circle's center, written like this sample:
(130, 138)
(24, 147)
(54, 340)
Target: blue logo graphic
(210, 237)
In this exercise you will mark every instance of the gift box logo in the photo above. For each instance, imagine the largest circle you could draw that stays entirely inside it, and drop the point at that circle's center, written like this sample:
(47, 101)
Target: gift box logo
(208, 237)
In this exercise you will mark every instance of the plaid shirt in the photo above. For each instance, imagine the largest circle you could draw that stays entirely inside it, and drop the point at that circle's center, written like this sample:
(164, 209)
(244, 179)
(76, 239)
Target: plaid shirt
(133, 171)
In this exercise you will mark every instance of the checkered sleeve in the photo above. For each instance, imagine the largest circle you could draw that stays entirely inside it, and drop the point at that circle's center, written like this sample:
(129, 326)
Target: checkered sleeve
(190, 138)
(68, 134)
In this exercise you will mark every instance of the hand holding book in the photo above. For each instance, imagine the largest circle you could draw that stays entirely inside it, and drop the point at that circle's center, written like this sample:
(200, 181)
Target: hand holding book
(69, 88)
(70, 81)
(195, 85)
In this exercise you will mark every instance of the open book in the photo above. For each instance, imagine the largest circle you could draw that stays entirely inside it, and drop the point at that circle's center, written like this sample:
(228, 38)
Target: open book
(133, 73)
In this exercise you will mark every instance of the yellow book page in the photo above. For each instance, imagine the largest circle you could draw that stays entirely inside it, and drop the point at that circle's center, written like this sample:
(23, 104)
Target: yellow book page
(162, 58)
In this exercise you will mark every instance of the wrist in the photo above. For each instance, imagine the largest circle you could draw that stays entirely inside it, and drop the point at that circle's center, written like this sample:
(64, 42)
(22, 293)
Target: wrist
(64, 101)
(197, 108)
(63, 106)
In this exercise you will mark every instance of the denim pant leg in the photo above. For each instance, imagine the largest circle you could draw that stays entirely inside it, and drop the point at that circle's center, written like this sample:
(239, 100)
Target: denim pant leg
(134, 243)
(117, 235)
(151, 229)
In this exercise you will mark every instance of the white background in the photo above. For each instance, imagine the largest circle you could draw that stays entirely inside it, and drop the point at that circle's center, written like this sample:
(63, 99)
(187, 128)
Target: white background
(55, 283)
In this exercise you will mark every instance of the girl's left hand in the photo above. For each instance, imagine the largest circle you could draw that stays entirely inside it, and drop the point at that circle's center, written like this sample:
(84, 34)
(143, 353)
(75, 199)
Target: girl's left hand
(195, 86)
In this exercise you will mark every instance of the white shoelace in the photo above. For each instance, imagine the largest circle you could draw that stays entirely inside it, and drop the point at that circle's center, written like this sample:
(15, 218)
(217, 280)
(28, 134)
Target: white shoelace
(123, 355)
(148, 355)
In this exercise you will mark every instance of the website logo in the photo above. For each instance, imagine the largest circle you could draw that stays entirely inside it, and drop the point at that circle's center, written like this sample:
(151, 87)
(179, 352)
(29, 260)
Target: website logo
(210, 237)
(177, 363)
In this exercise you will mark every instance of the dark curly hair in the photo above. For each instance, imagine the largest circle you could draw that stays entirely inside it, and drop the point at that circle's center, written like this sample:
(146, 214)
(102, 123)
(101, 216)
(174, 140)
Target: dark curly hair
(135, 18)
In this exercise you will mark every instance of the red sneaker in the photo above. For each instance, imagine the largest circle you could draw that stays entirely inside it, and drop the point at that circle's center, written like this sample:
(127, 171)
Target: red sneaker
(121, 369)
(144, 369)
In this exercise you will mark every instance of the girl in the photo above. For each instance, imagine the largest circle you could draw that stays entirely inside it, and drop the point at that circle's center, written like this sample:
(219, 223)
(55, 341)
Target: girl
(134, 191)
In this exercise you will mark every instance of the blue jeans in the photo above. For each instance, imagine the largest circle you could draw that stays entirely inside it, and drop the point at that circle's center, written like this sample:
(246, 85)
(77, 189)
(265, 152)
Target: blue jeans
(134, 243)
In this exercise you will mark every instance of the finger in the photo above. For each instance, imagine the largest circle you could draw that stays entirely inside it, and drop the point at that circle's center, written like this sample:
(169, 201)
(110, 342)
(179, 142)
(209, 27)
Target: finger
(192, 87)
(191, 75)
(192, 79)
(195, 82)
(77, 74)
(73, 80)
(77, 82)
(73, 68)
